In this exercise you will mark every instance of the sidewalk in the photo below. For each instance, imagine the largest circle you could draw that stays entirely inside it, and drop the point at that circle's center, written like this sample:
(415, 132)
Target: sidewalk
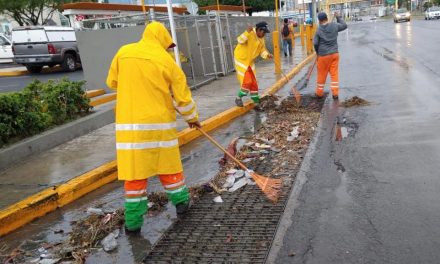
(85, 153)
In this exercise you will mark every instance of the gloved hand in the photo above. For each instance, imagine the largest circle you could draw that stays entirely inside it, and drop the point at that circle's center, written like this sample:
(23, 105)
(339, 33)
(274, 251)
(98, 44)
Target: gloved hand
(195, 124)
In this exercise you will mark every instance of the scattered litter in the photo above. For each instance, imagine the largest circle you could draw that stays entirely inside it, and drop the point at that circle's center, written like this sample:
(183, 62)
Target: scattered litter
(59, 231)
(248, 160)
(238, 184)
(231, 171)
(150, 204)
(109, 243)
(264, 146)
(251, 182)
(232, 149)
(107, 218)
(218, 199)
(49, 261)
(355, 101)
(238, 174)
(42, 250)
(229, 181)
(248, 174)
(261, 158)
(292, 254)
(293, 134)
(96, 211)
(266, 141)
(274, 149)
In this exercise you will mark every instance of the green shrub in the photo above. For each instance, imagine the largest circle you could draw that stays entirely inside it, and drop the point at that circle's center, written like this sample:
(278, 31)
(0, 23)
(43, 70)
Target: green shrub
(40, 106)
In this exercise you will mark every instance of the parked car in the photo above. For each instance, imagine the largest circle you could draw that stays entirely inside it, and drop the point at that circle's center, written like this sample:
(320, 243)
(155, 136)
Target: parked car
(6, 55)
(39, 46)
(432, 12)
(402, 14)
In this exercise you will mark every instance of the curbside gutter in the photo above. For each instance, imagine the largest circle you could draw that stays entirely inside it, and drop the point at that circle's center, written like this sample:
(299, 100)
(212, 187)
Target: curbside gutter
(286, 219)
(50, 199)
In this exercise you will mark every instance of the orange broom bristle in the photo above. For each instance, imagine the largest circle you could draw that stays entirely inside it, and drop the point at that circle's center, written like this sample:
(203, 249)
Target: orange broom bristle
(270, 187)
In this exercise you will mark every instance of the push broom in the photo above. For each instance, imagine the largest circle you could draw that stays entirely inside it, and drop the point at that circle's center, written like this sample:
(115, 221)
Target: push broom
(269, 186)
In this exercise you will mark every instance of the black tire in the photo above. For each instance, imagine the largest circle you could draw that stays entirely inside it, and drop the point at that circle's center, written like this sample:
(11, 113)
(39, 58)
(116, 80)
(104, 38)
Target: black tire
(69, 63)
(34, 69)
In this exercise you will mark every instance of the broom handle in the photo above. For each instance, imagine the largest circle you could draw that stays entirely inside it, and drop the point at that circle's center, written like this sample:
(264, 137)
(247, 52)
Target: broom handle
(311, 70)
(222, 149)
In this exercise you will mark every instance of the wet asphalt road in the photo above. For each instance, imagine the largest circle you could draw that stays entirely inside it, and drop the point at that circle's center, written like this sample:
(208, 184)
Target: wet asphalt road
(17, 83)
(374, 197)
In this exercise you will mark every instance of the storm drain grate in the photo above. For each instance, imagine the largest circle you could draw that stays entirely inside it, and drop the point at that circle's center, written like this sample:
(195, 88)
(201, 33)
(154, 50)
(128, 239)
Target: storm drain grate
(239, 230)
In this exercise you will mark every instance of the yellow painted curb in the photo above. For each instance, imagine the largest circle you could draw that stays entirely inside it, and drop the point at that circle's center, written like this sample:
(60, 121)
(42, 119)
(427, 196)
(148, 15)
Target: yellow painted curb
(50, 199)
(13, 73)
(94, 93)
(103, 100)
(25, 72)
(27, 210)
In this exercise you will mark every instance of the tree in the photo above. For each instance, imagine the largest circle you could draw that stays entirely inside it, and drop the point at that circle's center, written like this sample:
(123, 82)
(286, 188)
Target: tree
(31, 12)
(257, 5)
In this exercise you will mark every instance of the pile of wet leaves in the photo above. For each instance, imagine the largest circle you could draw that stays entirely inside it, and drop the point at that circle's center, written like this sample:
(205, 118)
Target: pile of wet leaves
(355, 101)
(280, 141)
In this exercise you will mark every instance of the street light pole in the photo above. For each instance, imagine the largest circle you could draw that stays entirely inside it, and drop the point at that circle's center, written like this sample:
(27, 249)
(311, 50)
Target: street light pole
(173, 31)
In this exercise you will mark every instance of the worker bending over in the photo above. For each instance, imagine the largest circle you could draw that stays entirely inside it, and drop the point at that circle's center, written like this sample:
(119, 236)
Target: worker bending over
(250, 45)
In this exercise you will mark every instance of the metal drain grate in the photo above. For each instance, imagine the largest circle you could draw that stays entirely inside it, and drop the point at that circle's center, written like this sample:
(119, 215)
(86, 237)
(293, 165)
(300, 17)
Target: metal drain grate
(239, 230)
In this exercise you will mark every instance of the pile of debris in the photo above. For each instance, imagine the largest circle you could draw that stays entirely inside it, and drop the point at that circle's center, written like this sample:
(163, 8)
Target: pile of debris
(355, 101)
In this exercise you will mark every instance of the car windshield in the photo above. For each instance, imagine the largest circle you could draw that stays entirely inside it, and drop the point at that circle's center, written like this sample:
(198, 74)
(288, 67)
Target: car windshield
(402, 10)
(435, 8)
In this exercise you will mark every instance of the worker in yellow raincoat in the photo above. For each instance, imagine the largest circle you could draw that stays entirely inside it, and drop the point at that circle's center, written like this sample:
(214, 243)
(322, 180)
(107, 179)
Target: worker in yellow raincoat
(251, 44)
(150, 89)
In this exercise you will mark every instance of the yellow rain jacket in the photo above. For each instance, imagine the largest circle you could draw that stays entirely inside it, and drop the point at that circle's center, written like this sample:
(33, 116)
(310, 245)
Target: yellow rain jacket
(147, 79)
(249, 47)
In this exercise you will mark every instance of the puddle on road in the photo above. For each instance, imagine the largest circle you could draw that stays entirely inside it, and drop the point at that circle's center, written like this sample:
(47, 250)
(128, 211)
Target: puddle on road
(345, 129)
(341, 132)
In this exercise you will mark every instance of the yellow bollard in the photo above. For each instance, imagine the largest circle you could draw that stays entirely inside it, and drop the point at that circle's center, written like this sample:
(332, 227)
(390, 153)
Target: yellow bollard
(308, 38)
(276, 51)
(302, 34)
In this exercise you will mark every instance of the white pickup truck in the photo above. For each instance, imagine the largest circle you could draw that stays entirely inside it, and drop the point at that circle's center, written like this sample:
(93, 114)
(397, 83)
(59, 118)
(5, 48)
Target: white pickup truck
(432, 12)
(6, 55)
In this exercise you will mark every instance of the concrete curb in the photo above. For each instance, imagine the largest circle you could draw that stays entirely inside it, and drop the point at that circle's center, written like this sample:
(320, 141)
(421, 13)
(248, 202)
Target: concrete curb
(55, 137)
(292, 203)
(50, 199)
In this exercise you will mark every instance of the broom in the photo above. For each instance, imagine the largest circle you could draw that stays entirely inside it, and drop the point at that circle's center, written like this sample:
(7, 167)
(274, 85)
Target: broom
(270, 187)
(294, 90)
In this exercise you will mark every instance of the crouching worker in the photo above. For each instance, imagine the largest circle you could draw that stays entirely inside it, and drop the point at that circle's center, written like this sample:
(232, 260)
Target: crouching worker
(250, 45)
(150, 89)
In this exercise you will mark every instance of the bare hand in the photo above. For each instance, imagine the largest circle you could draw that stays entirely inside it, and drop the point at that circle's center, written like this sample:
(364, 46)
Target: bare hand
(270, 56)
(195, 124)
(250, 28)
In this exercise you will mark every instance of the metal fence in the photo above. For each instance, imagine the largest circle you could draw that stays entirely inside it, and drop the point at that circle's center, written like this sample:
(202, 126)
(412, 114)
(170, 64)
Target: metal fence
(206, 42)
